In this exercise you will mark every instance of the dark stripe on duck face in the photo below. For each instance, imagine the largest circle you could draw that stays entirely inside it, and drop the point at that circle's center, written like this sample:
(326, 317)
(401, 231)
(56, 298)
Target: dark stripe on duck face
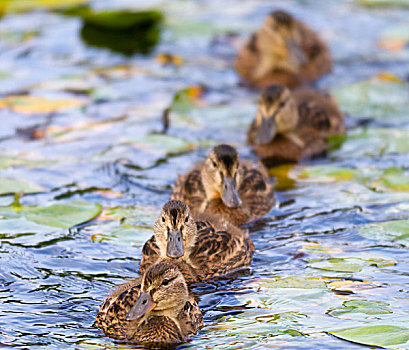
(272, 94)
(174, 216)
(282, 18)
(228, 156)
(252, 43)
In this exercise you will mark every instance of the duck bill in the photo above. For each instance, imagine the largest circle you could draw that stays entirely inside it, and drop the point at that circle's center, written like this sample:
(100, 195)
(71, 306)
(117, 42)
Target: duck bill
(265, 133)
(143, 306)
(175, 244)
(230, 196)
(295, 54)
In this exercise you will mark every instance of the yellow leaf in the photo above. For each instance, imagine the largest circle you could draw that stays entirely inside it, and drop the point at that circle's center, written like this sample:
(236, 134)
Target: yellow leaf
(166, 58)
(352, 286)
(386, 76)
(37, 104)
(316, 248)
(392, 44)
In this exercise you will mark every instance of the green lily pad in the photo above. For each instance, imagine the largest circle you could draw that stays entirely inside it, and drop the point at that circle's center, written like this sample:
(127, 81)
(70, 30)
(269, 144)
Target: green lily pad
(13, 6)
(125, 225)
(166, 144)
(337, 264)
(397, 230)
(384, 3)
(382, 335)
(255, 325)
(350, 264)
(384, 99)
(329, 173)
(9, 186)
(61, 214)
(373, 142)
(395, 179)
(127, 32)
(366, 307)
(292, 282)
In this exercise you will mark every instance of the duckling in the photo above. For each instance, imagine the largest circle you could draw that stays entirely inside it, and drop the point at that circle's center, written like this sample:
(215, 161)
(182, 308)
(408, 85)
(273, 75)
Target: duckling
(202, 248)
(291, 126)
(223, 185)
(284, 51)
(156, 308)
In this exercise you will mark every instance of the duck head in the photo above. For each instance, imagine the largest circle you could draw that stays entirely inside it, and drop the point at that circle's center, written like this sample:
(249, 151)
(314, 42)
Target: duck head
(163, 292)
(221, 175)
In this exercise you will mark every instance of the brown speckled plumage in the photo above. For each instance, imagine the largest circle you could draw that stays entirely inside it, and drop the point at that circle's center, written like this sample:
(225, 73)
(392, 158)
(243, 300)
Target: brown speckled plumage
(220, 248)
(157, 329)
(255, 191)
(317, 56)
(319, 118)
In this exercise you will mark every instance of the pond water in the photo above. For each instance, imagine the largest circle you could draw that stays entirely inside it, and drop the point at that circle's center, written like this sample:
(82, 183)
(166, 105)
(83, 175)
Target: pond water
(332, 255)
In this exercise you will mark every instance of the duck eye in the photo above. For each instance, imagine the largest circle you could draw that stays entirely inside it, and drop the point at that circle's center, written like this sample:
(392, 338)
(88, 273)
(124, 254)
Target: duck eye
(165, 282)
(214, 163)
(163, 219)
(187, 218)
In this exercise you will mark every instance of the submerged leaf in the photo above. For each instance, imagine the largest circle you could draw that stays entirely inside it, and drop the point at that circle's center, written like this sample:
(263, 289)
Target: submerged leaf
(382, 335)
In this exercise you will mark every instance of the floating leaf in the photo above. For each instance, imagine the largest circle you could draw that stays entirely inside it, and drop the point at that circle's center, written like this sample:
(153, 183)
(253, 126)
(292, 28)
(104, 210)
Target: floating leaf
(362, 142)
(337, 264)
(328, 173)
(291, 282)
(12, 6)
(167, 144)
(382, 335)
(350, 264)
(124, 225)
(384, 3)
(317, 248)
(379, 97)
(61, 214)
(397, 230)
(9, 186)
(395, 38)
(395, 179)
(352, 285)
(361, 306)
(38, 104)
(125, 31)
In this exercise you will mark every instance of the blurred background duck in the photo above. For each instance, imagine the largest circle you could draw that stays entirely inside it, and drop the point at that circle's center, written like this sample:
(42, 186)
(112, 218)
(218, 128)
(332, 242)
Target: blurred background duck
(291, 126)
(202, 248)
(284, 51)
(223, 186)
(157, 308)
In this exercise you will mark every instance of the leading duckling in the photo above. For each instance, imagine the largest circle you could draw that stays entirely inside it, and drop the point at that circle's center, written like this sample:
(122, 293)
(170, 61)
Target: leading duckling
(284, 51)
(157, 308)
(223, 185)
(202, 248)
(293, 125)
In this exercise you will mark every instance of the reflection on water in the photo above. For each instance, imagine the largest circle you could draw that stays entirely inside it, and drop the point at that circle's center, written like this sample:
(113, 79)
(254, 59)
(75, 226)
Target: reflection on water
(315, 252)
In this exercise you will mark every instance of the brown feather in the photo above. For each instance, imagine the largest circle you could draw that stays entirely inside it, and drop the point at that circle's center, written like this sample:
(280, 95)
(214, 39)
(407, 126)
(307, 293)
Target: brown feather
(255, 191)
(319, 118)
(318, 61)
